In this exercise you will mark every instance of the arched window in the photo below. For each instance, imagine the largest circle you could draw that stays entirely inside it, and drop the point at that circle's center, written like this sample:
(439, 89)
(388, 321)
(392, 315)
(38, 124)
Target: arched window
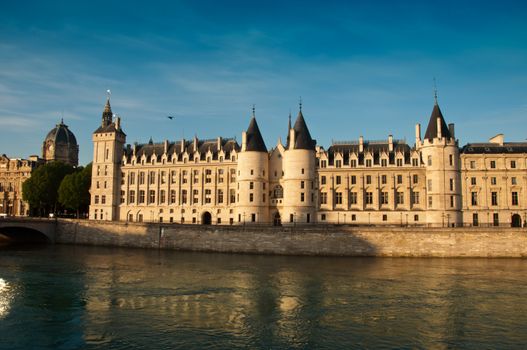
(278, 192)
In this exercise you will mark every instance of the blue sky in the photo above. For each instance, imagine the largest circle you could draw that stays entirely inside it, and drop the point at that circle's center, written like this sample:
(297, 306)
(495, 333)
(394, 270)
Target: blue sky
(362, 68)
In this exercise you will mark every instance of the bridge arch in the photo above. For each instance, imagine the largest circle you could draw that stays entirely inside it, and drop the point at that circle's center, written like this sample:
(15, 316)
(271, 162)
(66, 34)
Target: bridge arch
(20, 234)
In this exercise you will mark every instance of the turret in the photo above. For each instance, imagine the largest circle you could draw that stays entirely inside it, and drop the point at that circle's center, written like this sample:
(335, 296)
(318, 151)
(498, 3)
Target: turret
(252, 202)
(440, 153)
(299, 166)
(108, 144)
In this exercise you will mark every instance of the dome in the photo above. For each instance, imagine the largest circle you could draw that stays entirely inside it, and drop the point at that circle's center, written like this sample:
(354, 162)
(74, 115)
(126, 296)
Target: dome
(60, 144)
(61, 134)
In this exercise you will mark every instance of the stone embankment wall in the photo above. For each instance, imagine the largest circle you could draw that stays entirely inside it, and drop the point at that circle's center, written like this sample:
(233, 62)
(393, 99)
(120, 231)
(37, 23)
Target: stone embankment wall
(313, 240)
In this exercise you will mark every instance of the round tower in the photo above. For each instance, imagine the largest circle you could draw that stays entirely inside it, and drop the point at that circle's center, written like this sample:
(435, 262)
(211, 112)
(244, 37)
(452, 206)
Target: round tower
(440, 154)
(299, 166)
(252, 202)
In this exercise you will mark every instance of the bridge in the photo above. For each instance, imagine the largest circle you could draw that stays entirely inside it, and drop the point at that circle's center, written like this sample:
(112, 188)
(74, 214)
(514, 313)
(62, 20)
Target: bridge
(38, 230)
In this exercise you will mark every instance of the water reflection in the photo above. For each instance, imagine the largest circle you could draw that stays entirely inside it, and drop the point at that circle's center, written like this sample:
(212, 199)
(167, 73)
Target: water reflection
(117, 298)
(5, 298)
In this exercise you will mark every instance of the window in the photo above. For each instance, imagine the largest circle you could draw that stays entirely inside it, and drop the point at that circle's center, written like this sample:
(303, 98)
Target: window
(220, 196)
(451, 159)
(384, 217)
(302, 197)
(383, 179)
(493, 164)
(474, 198)
(475, 220)
(338, 197)
(494, 198)
(416, 217)
(196, 176)
(253, 217)
(251, 197)
(278, 192)
(493, 181)
(252, 171)
(400, 198)
(338, 180)
(323, 198)
(338, 163)
(513, 164)
(414, 197)
(415, 179)
(353, 197)
(302, 170)
(163, 177)
(472, 164)
(496, 219)
(323, 180)
(415, 162)
(141, 178)
(399, 179)
(208, 176)
(141, 197)
(302, 184)
(429, 160)
(369, 197)
(429, 184)
(513, 181)
(384, 197)
(353, 179)
(184, 177)
(323, 163)
(162, 196)
(172, 196)
(473, 181)
(233, 196)
(451, 184)
(354, 163)
(514, 198)
(195, 196)
(451, 201)
(430, 201)
(251, 185)
(322, 217)
(152, 177)
(103, 199)
(132, 196)
(399, 162)
(220, 176)
(208, 196)
(368, 179)
(132, 178)
(384, 162)
(151, 196)
(368, 163)
(96, 200)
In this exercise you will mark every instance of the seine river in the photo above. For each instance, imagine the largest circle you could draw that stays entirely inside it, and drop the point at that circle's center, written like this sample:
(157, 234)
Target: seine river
(68, 297)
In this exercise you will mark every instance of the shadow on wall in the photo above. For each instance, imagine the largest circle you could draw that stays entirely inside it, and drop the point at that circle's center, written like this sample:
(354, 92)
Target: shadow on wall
(22, 235)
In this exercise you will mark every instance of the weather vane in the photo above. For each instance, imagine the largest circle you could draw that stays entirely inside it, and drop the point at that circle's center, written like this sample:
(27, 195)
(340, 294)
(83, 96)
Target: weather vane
(300, 103)
(254, 109)
(435, 91)
(108, 93)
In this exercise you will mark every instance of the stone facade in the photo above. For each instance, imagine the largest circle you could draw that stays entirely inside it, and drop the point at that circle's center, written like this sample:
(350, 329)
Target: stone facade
(359, 182)
(13, 173)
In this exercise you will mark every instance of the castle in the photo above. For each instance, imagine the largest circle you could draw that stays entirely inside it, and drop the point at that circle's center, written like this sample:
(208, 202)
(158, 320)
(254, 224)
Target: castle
(218, 181)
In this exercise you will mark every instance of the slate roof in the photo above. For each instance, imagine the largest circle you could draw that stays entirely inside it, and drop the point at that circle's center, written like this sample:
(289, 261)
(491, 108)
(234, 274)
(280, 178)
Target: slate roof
(431, 130)
(375, 148)
(255, 141)
(493, 148)
(303, 138)
(175, 149)
(60, 134)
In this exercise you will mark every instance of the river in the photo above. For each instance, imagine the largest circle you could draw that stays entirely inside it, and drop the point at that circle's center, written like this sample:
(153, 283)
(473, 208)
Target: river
(72, 297)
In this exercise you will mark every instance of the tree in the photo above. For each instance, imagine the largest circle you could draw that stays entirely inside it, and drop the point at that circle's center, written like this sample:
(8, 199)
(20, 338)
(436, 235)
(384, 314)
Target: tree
(74, 190)
(41, 189)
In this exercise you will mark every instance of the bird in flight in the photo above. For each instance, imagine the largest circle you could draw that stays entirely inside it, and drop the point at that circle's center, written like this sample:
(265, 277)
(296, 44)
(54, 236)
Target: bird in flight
(170, 117)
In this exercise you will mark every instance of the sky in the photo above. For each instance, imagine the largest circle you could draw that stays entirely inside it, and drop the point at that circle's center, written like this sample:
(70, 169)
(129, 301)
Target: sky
(361, 68)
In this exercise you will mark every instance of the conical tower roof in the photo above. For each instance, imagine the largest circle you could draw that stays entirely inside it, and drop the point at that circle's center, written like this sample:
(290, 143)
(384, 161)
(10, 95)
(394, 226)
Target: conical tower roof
(255, 140)
(107, 114)
(303, 138)
(431, 130)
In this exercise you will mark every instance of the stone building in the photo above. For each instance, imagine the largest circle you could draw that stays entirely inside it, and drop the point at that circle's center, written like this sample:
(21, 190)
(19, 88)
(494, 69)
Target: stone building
(384, 182)
(13, 173)
(61, 145)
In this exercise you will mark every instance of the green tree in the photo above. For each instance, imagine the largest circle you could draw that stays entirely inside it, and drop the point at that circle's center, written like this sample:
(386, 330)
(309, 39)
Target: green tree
(41, 189)
(74, 190)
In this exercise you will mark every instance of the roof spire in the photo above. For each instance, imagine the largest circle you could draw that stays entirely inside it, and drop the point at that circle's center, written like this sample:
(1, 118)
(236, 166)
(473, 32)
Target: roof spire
(435, 91)
(107, 112)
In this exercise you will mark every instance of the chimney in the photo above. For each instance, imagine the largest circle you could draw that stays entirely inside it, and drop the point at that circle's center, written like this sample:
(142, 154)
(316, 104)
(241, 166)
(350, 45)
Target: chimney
(390, 143)
(165, 146)
(118, 123)
(417, 134)
(292, 138)
(439, 134)
(182, 145)
(244, 141)
(451, 129)
(219, 143)
(361, 144)
(498, 139)
(195, 144)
